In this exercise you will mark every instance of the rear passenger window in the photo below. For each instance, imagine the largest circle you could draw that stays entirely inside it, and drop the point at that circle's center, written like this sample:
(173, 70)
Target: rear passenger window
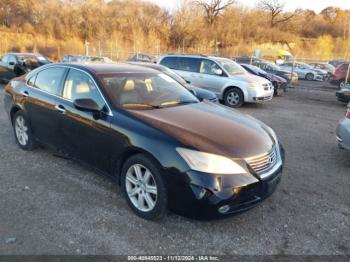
(170, 62)
(49, 80)
(189, 64)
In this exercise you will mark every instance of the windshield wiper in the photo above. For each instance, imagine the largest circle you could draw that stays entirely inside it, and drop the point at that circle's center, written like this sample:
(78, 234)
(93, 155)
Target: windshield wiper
(141, 105)
(175, 103)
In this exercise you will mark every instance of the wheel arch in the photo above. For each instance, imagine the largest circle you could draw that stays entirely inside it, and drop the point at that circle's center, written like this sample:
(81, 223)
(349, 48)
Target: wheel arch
(129, 152)
(244, 91)
(13, 111)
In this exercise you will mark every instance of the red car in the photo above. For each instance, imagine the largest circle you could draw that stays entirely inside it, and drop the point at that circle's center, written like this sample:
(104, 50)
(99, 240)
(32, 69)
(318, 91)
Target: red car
(339, 76)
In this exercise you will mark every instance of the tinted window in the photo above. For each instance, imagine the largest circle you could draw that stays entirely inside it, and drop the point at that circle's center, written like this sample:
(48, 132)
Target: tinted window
(208, 67)
(188, 64)
(49, 80)
(79, 85)
(5, 59)
(170, 62)
(12, 59)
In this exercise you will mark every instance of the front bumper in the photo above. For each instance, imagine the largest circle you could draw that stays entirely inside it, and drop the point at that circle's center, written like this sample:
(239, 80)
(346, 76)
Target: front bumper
(343, 96)
(240, 194)
(259, 95)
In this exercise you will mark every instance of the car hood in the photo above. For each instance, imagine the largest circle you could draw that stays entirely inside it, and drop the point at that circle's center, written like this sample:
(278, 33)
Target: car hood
(276, 78)
(212, 128)
(249, 78)
(202, 93)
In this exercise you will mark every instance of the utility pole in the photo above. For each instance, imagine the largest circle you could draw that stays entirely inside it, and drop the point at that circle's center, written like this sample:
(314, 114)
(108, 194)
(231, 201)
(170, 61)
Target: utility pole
(87, 47)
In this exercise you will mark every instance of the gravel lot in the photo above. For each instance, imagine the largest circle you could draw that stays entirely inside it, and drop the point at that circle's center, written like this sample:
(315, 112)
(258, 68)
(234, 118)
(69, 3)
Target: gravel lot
(49, 205)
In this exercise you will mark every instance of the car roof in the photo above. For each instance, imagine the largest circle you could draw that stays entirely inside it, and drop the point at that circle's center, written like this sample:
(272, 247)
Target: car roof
(149, 65)
(107, 68)
(26, 54)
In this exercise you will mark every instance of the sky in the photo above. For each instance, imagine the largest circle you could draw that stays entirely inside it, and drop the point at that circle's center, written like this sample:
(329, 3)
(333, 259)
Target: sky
(291, 5)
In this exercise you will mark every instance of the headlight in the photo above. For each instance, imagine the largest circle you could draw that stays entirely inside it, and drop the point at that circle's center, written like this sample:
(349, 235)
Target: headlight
(252, 84)
(210, 163)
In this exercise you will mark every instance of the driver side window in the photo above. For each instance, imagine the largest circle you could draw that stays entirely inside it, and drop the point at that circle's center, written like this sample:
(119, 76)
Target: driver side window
(208, 67)
(79, 85)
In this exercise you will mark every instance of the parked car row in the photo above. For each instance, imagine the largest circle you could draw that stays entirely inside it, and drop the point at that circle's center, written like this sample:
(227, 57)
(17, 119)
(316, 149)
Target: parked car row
(16, 64)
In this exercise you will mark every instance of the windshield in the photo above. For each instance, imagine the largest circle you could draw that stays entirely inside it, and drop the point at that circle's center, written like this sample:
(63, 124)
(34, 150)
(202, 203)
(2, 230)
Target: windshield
(274, 67)
(31, 58)
(175, 76)
(306, 66)
(232, 68)
(146, 90)
(255, 69)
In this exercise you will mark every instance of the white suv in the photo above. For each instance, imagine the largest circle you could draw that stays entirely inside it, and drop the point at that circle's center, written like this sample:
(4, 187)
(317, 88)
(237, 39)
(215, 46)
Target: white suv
(227, 79)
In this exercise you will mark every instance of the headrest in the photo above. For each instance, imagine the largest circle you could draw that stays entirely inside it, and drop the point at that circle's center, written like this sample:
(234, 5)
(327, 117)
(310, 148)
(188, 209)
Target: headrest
(129, 85)
(82, 87)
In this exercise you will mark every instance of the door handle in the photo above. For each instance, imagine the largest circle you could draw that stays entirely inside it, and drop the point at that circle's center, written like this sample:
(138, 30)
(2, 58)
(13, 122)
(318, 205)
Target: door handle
(60, 108)
(25, 93)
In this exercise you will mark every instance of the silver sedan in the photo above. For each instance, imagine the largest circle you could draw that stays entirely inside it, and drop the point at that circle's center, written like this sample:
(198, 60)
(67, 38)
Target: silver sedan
(343, 131)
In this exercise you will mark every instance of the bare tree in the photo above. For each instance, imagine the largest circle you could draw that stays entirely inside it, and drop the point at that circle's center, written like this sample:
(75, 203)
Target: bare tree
(213, 8)
(275, 8)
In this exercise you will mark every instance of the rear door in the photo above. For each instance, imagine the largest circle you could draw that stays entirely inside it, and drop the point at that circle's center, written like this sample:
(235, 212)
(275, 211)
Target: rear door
(83, 136)
(188, 68)
(40, 94)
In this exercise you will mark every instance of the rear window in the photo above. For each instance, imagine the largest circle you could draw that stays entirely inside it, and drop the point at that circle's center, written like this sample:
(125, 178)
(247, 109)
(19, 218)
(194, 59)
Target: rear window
(189, 64)
(170, 62)
(182, 63)
(49, 80)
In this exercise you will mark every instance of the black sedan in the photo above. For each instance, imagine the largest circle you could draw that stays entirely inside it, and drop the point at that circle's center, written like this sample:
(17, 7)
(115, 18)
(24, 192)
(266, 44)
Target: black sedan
(200, 93)
(279, 83)
(17, 64)
(164, 147)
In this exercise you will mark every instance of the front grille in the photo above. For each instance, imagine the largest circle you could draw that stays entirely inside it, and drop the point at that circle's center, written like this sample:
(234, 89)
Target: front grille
(263, 163)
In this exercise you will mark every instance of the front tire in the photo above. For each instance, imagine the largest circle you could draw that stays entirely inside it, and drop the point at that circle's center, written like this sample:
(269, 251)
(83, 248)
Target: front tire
(143, 187)
(233, 97)
(22, 131)
(309, 77)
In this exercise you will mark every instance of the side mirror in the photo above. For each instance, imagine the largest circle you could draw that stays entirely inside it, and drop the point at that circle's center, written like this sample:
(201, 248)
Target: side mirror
(188, 81)
(87, 105)
(218, 72)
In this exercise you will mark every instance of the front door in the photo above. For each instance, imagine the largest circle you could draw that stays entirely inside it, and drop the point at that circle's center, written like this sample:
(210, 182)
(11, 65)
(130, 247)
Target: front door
(84, 136)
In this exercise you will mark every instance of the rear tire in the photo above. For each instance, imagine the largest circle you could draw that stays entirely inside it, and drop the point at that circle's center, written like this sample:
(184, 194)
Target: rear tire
(233, 97)
(143, 187)
(22, 132)
(309, 77)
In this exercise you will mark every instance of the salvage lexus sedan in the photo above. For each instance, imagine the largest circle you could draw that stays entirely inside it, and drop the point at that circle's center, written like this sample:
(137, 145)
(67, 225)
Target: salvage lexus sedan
(164, 147)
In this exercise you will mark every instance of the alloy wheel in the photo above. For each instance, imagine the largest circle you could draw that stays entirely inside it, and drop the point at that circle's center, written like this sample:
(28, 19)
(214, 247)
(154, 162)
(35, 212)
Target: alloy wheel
(141, 187)
(21, 130)
(233, 98)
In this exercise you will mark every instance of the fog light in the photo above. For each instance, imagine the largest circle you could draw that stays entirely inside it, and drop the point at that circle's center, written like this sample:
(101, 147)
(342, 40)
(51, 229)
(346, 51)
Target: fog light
(224, 209)
(200, 192)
